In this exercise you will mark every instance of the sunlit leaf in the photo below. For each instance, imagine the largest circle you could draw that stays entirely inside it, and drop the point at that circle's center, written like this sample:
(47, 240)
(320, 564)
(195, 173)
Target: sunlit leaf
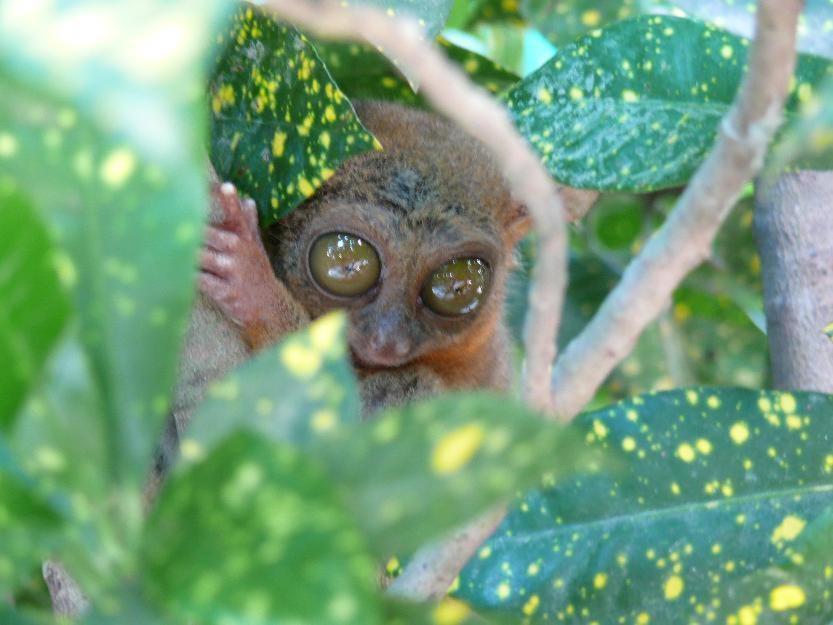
(720, 484)
(636, 106)
(280, 126)
(118, 133)
(33, 307)
(299, 390)
(814, 31)
(255, 534)
(564, 20)
(469, 452)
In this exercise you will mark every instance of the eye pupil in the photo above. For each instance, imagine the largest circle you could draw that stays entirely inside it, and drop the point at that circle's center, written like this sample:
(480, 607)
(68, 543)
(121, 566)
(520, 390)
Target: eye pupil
(458, 287)
(343, 264)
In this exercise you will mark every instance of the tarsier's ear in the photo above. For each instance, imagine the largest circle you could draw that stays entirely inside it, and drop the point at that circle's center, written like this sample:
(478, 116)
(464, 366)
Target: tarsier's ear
(576, 204)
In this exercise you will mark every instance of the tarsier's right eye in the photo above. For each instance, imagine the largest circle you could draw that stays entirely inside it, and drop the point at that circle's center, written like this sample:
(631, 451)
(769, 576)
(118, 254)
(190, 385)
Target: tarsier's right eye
(343, 264)
(458, 287)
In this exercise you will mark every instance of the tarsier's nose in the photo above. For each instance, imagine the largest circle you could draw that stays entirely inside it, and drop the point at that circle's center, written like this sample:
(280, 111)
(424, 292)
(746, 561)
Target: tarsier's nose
(388, 343)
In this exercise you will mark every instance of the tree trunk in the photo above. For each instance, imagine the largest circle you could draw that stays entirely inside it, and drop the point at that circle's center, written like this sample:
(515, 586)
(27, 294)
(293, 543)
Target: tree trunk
(794, 226)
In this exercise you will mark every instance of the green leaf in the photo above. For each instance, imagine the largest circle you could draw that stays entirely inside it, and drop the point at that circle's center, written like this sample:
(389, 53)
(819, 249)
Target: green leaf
(829, 331)
(636, 106)
(796, 591)
(431, 14)
(363, 73)
(118, 136)
(561, 21)
(721, 483)
(420, 470)
(301, 389)
(33, 307)
(11, 616)
(280, 126)
(29, 524)
(255, 534)
(813, 33)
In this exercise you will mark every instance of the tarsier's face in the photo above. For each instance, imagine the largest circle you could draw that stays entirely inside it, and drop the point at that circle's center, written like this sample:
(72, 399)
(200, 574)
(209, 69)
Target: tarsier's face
(414, 282)
(413, 242)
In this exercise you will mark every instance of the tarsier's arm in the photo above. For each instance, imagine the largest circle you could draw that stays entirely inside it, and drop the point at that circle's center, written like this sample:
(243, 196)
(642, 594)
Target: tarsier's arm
(235, 273)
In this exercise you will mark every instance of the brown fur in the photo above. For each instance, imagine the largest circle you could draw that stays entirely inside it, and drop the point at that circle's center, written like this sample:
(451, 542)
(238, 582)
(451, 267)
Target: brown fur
(433, 194)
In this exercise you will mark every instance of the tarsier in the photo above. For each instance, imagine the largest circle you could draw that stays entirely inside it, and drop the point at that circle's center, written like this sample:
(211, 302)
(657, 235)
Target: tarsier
(415, 242)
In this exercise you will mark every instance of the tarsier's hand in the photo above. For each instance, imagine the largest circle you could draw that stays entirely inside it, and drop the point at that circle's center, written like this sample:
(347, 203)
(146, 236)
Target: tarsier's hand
(235, 271)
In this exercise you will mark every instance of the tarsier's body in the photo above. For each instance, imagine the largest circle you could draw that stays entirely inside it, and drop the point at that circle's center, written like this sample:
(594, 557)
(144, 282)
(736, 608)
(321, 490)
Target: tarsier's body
(431, 198)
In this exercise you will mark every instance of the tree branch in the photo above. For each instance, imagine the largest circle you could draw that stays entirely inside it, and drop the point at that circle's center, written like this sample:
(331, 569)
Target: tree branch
(685, 239)
(795, 240)
(451, 93)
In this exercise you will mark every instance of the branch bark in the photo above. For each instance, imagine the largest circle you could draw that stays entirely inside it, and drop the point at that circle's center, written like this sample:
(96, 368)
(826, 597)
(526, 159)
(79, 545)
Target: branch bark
(795, 240)
(68, 600)
(685, 239)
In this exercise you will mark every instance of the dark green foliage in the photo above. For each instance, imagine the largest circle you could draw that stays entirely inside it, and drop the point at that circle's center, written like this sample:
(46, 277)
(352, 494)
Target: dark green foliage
(720, 484)
(280, 126)
(34, 307)
(255, 535)
(636, 106)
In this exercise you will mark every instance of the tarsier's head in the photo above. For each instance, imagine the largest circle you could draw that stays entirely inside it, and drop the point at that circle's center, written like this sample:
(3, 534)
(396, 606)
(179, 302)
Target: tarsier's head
(415, 242)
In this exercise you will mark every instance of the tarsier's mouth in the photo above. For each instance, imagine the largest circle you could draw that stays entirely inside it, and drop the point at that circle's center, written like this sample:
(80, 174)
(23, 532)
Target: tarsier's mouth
(363, 364)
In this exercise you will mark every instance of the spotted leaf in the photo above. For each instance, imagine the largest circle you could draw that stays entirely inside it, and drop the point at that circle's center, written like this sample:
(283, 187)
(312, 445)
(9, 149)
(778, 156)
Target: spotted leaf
(564, 20)
(420, 470)
(280, 125)
(129, 229)
(297, 391)
(796, 591)
(362, 73)
(720, 484)
(33, 307)
(814, 32)
(636, 106)
(431, 14)
(255, 534)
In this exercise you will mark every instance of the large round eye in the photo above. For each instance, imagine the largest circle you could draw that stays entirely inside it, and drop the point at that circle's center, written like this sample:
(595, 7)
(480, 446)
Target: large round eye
(344, 264)
(458, 287)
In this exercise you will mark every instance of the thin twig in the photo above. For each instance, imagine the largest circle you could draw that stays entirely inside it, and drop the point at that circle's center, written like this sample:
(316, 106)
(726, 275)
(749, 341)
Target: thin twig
(451, 93)
(685, 239)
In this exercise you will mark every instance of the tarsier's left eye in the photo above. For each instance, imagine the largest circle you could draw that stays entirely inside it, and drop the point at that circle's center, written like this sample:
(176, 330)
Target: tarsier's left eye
(458, 287)
(344, 264)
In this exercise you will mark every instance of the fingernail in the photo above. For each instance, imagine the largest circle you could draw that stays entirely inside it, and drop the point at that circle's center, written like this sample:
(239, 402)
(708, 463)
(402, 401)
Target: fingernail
(250, 204)
(227, 188)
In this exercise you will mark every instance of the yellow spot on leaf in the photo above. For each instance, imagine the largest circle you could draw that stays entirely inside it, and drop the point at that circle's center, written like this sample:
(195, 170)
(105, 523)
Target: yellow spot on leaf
(451, 612)
(531, 605)
(739, 433)
(279, 144)
(591, 18)
(456, 448)
(300, 360)
(305, 187)
(324, 420)
(674, 587)
(8, 145)
(628, 444)
(544, 95)
(786, 597)
(704, 446)
(686, 453)
(599, 581)
(789, 529)
(788, 403)
(117, 167)
(503, 591)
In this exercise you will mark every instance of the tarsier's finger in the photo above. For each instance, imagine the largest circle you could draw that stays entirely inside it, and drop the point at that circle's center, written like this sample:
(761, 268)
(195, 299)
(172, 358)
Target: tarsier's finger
(250, 215)
(230, 204)
(213, 287)
(220, 240)
(216, 263)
